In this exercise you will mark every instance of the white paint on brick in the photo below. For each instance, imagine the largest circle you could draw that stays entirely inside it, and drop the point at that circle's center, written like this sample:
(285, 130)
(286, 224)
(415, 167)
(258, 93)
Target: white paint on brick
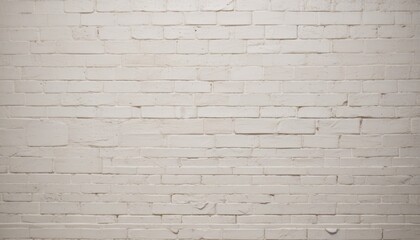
(209, 119)
(46, 133)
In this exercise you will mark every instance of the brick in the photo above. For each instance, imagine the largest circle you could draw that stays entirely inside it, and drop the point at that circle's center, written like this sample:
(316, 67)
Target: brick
(378, 18)
(23, 34)
(182, 5)
(281, 32)
(339, 126)
(56, 34)
(199, 233)
(57, 208)
(349, 141)
(278, 112)
(243, 233)
(98, 19)
(290, 233)
(307, 46)
(251, 5)
(302, 18)
(181, 32)
(168, 112)
(77, 165)
(84, 33)
(360, 31)
(167, 19)
(221, 125)
(11, 99)
(16, 207)
(234, 18)
(267, 18)
(14, 47)
(114, 6)
(247, 32)
(227, 46)
(146, 32)
(113, 33)
(15, 232)
(220, 112)
(235, 141)
(255, 126)
(303, 208)
(350, 18)
(149, 5)
(349, 46)
(296, 126)
(347, 233)
(309, 100)
(320, 141)
(194, 126)
(247, 73)
(162, 208)
(132, 140)
(200, 18)
(104, 208)
(159, 46)
(28, 164)
(280, 141)
(385, 126)
(76, 233)
(18, 7)
(78, 6)
(281, 5)
(192, 46)
(122, 47)
(216, 5)
(80, 47)
(190, 141)
(152, 233)
(47, 133)
(319, 5)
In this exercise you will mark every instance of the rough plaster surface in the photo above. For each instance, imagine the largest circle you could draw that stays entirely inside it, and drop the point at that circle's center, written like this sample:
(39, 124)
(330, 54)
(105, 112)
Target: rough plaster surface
(210, 119)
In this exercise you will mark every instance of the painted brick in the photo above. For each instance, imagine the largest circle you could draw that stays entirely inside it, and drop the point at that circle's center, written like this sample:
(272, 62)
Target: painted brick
(209, 119)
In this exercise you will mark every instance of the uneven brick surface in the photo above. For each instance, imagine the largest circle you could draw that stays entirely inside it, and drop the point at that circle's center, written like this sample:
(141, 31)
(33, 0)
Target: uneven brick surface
(210, 119)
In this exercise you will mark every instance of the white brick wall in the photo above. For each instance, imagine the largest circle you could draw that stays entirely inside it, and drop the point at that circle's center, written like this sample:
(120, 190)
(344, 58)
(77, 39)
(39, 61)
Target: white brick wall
(210, 119)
